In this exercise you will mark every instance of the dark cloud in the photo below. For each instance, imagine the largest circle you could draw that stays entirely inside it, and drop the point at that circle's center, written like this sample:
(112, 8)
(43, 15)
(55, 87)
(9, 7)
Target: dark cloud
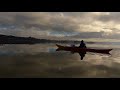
(88, 35)
(32, 23)
(113, 16)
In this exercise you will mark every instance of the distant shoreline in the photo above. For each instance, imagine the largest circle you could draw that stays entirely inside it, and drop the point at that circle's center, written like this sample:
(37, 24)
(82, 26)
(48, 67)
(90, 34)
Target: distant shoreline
(8, 39)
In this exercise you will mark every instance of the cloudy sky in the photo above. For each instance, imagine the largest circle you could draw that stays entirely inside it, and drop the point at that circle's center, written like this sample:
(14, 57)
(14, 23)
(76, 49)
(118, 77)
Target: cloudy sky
(61, 24)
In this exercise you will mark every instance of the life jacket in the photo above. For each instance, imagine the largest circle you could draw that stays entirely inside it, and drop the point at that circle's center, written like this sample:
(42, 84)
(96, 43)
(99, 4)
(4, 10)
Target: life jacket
(82, 45)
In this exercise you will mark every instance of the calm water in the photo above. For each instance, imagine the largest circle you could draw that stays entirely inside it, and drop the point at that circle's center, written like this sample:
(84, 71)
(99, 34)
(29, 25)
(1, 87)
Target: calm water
(41, 60)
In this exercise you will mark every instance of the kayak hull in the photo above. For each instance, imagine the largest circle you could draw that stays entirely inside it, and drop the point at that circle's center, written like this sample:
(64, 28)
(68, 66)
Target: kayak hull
(80, 50)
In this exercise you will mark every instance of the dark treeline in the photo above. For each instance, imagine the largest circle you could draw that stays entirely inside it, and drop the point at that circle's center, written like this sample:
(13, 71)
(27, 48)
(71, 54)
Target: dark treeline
(8, 39)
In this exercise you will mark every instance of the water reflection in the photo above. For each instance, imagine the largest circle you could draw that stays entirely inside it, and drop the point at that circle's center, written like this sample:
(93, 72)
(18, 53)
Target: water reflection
(82, 55)
(42, 60)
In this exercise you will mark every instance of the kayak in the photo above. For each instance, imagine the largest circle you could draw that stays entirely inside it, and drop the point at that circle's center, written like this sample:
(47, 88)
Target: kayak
(82, 50)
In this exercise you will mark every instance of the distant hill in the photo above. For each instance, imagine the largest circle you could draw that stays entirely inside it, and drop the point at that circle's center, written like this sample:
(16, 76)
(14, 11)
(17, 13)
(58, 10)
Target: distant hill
(9, 39)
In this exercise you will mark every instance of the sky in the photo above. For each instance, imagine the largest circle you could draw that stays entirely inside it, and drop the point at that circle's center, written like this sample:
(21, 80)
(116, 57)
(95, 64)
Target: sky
(61, 25)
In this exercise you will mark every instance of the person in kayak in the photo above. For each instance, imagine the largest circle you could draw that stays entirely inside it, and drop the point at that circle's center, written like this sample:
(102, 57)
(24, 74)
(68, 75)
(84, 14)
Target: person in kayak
(82, 44)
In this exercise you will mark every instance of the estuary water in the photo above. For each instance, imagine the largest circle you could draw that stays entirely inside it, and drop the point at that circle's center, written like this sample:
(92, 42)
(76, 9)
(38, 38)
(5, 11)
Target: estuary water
(43, 61)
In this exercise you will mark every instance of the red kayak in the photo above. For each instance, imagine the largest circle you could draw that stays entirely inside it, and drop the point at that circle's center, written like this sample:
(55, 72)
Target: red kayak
(77, 49)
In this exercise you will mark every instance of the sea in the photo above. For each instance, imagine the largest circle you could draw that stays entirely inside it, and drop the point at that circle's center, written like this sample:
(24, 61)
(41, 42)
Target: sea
(43, 61)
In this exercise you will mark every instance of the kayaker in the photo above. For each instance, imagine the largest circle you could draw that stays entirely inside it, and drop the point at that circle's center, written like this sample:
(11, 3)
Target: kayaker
(82, 44)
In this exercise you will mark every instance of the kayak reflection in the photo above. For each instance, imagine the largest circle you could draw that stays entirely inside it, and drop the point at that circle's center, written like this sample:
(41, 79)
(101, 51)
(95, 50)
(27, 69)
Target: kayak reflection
(82, 51)
(82, 55)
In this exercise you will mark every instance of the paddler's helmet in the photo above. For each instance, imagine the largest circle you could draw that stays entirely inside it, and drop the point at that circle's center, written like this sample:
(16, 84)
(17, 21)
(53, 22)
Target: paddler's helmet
(82, 41)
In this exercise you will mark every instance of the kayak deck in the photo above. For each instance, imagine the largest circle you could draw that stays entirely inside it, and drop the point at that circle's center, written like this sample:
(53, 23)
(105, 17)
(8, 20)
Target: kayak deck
(77, 49)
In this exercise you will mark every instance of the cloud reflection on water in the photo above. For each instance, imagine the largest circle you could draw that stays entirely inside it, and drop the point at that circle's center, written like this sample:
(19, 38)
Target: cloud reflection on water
(37, 61)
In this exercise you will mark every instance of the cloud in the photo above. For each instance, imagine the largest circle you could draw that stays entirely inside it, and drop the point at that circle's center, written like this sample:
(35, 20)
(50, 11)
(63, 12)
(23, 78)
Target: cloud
(112, 16)
(38, 19)
(43, 23)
